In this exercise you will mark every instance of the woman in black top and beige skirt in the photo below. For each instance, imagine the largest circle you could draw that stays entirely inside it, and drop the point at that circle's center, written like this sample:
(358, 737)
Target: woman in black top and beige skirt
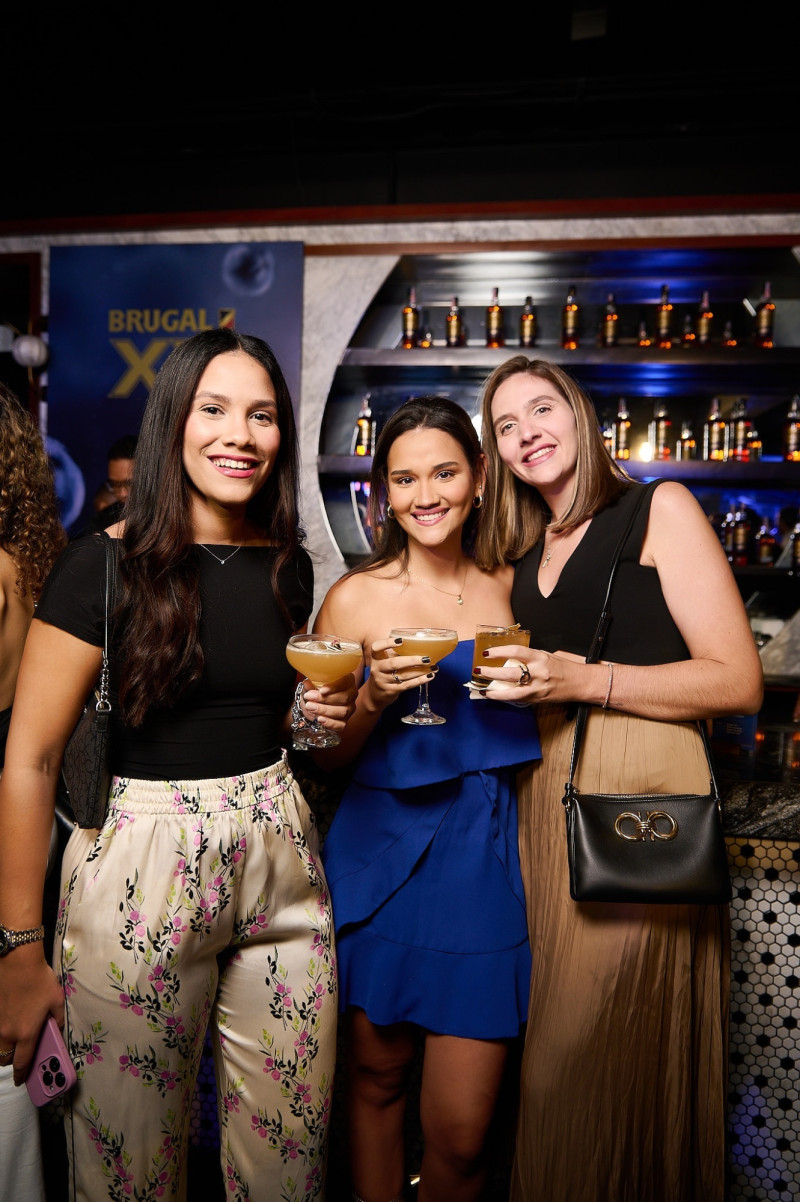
(624, 1069)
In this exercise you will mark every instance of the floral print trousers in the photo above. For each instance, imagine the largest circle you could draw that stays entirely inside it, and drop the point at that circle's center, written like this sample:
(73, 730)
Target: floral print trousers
(197, 903)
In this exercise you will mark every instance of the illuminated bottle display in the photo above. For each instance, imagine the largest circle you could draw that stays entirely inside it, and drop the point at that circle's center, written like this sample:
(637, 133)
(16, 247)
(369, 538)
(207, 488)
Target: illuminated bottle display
(411, 321)
(454, 325)
(739, 428)
(791, 432)
(664, 320)
(622, 431)
(705, 317)
(610, 330)
(570, 321)
(765, 317)
(607, 430)
(742, 539)
(495, 331)
(425, 331)
(363, 442)
(686, 446)
(644, 338)
(659, 431)
(527, 323)
(715, 434)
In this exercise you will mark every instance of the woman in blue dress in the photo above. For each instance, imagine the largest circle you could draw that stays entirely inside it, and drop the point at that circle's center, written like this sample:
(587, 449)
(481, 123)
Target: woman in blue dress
(421, 857)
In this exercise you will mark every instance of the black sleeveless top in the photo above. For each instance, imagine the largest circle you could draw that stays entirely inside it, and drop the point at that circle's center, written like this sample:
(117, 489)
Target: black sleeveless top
(231, 721)
(641, 630)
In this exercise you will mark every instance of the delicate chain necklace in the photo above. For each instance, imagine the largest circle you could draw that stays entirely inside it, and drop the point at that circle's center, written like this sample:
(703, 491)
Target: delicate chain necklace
(447, 592)
(546, 559)
(227, 557)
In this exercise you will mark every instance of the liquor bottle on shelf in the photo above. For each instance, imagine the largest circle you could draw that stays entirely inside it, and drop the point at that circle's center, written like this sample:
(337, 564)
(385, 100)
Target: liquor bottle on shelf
(705, 316)
(644, 337)
(664, 320)
(621, 447)
(766, 547)
(715, 434)
(495, 332)
(610, 330)
(765, 318)
(688, 336)
(686, 446)
(728, 527)
(739, 427)
(411, 321)
(727, 336)
(363, 442)
(607, 429)
(742, 538)
(754, 444)
(454, 324)
(426, 331)
(527, 323)
(570, 321)
(791, 432)
(658, 432)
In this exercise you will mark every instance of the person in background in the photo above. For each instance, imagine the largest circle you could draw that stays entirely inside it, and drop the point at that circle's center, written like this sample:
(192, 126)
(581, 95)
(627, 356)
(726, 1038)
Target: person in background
(31, 537)
(421, 855)
(201, 903)
(110, 499)
(623, 1092)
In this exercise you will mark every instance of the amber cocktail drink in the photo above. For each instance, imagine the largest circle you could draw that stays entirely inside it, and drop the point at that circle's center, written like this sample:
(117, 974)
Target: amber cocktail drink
(494, 636)
(322, 658)
(435, 642)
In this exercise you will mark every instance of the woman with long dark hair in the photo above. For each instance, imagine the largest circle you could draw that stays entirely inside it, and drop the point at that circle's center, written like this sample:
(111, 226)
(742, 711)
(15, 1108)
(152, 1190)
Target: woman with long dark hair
(201, 901)
(422, 852)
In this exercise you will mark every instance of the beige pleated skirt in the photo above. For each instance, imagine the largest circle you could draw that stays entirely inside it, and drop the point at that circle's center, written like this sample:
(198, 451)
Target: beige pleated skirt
(624, 1071)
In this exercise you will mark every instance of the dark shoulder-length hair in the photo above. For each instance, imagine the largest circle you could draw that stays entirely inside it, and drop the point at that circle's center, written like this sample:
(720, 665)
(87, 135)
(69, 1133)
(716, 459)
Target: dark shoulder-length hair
(30, 526)
(516, 513)
(159, 611)
(419, 413)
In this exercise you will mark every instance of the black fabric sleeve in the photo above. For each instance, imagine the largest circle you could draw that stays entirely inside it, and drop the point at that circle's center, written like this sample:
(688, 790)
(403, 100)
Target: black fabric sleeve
(73, 596)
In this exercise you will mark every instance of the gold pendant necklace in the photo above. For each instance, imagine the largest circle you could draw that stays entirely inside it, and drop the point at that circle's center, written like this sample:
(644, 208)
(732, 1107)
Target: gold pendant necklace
(546, 559)
(447, 592)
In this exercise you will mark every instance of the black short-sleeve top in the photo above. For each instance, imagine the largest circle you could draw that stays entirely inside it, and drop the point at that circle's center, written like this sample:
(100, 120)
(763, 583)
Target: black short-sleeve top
(641, 631)
(231, 721)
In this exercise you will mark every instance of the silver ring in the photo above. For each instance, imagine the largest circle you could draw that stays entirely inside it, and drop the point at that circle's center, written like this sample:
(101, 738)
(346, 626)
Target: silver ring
(397, 679)
(524, 676)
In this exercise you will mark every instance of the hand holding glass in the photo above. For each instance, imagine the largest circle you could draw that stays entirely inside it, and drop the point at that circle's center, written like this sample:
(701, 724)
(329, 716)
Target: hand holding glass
(494, 636)
(435, 642)
(322, 658)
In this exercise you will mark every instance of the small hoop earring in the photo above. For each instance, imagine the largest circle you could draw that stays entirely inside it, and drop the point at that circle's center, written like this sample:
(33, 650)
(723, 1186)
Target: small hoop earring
(389, 511)
(477, 501)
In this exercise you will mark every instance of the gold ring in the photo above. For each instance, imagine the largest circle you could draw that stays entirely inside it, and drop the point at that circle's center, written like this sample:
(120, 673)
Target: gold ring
(397, 679)
(7, 1056)
(524, 676)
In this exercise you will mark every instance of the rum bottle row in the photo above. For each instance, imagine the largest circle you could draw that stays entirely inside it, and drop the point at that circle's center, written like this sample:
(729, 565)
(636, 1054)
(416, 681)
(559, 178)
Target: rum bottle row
(698, 329)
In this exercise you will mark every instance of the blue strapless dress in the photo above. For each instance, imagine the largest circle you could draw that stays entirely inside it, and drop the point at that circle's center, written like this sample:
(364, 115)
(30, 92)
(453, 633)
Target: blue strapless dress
(423, 867)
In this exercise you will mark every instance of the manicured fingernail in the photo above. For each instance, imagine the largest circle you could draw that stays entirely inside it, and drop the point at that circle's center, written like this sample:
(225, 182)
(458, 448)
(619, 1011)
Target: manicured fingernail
(430, 676)
(398, 640)
(485, 654)
(426, 659)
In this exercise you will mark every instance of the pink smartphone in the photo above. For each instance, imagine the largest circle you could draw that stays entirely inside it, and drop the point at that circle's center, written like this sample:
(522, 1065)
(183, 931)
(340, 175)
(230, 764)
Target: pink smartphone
(52, 1073)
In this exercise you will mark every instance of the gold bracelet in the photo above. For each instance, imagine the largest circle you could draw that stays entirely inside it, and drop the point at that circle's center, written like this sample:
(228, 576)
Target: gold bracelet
(610, 683)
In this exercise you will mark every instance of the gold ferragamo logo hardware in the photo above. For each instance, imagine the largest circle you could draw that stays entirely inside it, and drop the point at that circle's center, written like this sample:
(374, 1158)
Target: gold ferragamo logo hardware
(656, 824)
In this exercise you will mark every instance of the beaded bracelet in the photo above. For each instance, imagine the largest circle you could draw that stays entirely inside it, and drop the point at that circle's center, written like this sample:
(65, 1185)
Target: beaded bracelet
(610, 683)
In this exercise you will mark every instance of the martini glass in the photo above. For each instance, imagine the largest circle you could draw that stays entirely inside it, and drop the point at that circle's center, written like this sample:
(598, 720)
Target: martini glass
(322, 658)
(436, 642)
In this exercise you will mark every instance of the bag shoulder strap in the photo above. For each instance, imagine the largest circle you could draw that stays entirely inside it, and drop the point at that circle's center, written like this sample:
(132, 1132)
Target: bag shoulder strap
(103, 703)
(597, 643)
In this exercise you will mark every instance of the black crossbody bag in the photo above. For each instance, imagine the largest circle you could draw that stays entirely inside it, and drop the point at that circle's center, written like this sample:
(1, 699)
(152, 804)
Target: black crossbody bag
(86, 765)
(643, 847)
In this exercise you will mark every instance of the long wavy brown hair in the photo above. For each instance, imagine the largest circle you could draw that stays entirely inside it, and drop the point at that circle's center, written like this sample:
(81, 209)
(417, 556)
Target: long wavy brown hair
(158, 611)
(30, 525)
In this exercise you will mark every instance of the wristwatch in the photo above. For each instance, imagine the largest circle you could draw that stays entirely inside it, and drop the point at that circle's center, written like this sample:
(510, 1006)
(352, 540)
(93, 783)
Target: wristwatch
(11, 939)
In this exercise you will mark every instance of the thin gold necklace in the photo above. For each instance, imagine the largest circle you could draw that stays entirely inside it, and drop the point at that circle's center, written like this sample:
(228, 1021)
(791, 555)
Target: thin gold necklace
(459, 596)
